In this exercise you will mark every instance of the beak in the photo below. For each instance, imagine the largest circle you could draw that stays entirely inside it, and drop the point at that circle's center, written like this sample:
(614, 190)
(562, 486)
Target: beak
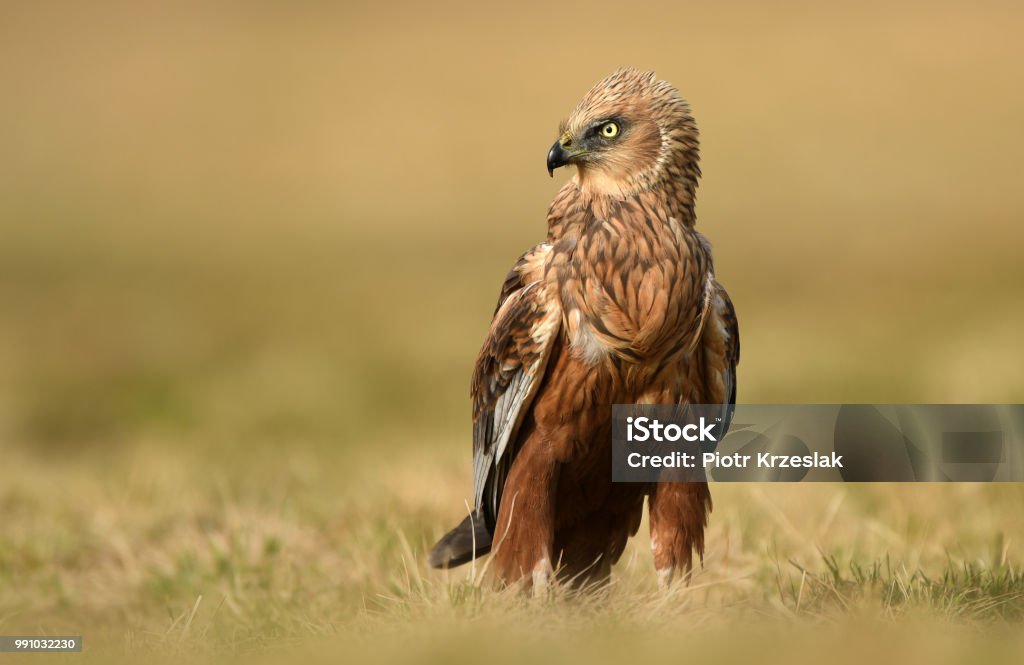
(557, 156)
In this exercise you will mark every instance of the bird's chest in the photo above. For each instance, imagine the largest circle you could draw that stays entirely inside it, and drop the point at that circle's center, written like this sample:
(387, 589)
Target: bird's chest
(634, 296)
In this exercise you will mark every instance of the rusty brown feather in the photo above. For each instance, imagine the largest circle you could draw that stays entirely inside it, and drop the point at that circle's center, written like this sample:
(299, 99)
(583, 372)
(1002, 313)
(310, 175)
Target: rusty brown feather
(619, 305)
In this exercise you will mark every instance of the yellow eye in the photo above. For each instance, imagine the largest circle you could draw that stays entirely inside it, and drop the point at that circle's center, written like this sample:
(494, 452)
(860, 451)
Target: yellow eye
(610, 130)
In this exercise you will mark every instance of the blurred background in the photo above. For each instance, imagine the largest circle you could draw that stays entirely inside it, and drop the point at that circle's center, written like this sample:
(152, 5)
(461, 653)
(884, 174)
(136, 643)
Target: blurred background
(248, 251)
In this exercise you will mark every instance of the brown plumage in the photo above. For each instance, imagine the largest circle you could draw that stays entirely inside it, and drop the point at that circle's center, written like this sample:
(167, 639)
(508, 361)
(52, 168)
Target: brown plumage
(619, 305)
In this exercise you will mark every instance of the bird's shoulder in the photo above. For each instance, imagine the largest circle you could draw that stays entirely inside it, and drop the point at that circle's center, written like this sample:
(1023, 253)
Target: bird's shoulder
(527, 269)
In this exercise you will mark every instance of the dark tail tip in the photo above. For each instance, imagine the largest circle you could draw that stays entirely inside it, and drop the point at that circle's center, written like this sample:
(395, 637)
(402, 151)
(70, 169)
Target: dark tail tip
(462, 544)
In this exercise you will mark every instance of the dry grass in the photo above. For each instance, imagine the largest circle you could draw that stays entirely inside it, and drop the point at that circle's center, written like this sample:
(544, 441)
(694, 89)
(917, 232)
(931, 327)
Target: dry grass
(247, 255)
(187, 554)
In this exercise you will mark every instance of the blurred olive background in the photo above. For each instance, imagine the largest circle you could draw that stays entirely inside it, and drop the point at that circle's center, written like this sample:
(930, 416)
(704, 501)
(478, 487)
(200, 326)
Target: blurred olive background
(258, 221)
(281, 227)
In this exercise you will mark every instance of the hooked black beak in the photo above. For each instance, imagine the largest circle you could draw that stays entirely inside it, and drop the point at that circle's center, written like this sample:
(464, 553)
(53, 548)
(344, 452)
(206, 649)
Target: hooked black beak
(557, 156)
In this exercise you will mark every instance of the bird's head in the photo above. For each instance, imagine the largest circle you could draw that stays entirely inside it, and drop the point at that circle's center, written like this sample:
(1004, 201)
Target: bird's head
(631, 132)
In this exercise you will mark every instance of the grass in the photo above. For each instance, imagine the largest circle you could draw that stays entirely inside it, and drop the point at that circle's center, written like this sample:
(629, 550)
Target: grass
(187, 554)
(247, 257)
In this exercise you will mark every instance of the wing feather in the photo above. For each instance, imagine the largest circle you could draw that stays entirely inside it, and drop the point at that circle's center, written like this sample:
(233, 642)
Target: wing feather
(721, 343)
(508, 373)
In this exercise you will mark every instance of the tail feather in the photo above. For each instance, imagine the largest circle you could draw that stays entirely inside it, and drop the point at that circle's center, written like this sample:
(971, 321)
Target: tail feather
(469, 540)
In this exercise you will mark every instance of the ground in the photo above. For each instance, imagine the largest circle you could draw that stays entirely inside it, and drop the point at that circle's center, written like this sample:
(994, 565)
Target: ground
(193, 554)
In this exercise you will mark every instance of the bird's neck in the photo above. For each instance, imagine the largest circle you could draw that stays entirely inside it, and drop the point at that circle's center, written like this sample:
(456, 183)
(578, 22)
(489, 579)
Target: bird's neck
(576, 207)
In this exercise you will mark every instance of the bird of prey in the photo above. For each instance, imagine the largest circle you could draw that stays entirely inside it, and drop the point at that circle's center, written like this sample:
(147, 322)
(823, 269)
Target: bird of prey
(619, 305)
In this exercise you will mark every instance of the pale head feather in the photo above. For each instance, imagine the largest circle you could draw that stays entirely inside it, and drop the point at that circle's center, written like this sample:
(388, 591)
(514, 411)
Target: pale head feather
(659, 138)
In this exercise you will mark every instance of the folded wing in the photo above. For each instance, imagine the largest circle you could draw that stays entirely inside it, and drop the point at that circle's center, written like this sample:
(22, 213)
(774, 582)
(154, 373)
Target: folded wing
(508, 374)
(720, 343)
